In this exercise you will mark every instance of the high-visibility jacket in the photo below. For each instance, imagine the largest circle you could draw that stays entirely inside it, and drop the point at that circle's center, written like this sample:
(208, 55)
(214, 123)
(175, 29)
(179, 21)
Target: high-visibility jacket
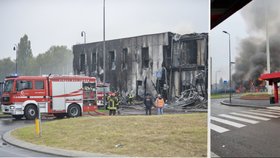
(117, 101)
(112, 103)
(159, 103)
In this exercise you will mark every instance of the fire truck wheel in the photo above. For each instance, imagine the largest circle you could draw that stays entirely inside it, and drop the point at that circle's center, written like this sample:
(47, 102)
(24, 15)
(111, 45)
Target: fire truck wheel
(17, 117)
(30, 112)
(74, 110)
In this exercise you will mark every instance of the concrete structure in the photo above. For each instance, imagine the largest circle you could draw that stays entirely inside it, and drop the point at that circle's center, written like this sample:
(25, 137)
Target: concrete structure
(165, 63)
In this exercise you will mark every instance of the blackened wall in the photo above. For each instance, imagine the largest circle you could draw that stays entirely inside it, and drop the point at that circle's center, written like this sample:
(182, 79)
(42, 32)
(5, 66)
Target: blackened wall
(141, 58)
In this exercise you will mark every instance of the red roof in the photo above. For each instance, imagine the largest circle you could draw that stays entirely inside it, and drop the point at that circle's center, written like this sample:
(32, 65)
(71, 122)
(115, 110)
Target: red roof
(272, 76)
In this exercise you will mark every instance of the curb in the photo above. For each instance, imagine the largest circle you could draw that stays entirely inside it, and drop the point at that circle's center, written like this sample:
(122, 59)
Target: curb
(5, 116)
(49, 150)
(244, 105)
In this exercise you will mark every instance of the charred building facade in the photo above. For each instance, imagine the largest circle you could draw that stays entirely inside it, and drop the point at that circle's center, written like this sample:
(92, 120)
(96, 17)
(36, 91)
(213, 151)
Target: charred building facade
(164, 63)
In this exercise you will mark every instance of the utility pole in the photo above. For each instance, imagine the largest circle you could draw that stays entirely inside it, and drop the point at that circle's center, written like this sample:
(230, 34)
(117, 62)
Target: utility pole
(211, 74)
(217, 80)
(15, 49)
(104, 55)
(267, 49)
(83, 34)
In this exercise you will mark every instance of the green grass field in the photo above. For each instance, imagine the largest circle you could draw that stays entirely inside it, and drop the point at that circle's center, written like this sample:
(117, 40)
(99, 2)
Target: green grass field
(183, 135)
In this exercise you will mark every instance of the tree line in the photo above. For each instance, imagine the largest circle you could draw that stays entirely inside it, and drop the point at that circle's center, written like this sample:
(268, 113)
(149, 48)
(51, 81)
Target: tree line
(56, 60)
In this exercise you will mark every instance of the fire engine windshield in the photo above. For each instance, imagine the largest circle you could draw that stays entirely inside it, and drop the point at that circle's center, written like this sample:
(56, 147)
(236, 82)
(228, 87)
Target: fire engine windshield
(8, 86)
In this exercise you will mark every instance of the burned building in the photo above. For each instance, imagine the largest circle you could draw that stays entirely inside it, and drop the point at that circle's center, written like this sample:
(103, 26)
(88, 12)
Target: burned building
(164, 63)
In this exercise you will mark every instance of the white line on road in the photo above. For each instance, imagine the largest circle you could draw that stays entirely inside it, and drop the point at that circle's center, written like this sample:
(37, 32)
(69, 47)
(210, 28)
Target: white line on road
(218, 128)
(266, 115)
(266, 112)
(274, 108)
(214, 155)
(270, 110)
(250, 116)
(231, 123)
(239, 119)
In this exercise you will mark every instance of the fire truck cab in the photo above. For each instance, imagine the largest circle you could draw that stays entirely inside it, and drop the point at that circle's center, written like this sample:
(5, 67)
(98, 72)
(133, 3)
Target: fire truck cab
(101, 88)
(58, 95)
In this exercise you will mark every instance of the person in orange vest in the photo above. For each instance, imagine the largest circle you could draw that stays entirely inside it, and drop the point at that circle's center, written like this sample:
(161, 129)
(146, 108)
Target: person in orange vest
(159, 105)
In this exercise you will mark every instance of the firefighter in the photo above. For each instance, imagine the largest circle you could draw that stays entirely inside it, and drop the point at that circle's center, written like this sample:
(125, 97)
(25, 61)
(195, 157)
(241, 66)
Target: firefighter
(107, 100)
(118, 102)
(112, 105)
(159, 104)
(130, 98)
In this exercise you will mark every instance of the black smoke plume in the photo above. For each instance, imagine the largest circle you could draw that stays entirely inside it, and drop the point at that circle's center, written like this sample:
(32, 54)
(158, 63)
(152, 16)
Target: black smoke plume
(251, 62)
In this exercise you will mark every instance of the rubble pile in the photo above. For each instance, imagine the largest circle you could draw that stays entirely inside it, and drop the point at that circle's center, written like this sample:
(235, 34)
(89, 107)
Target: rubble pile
(190, 99)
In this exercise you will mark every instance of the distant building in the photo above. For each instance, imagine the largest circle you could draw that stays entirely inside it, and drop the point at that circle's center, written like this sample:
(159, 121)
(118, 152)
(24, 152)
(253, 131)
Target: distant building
(165, 63)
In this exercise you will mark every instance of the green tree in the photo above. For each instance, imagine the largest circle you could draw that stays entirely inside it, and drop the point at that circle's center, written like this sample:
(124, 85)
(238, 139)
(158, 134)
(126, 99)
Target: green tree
(57, 60)
(7, 67)
(24, 56)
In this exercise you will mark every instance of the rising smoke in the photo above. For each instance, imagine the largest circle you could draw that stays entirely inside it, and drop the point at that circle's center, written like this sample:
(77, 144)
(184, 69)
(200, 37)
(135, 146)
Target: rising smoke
(252, 50)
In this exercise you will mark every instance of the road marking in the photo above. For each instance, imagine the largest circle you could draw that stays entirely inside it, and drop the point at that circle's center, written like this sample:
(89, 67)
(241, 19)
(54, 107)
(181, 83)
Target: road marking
(250, 116)
(266, 112)
(214, 155)
(270, 110)
(266, 115)
(274, 108)
(239, 119)
(231, 123)
(218, 128)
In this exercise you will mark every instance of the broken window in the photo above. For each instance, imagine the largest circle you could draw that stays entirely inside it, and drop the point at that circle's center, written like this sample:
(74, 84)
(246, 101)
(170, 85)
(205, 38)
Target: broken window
(82, 63)
(112, 60)
(145, 57)
(167, 56)
(124, 58)
(190, 52)
(94, 61)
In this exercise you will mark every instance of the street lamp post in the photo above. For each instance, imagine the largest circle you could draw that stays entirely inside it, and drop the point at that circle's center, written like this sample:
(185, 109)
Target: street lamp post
(229, 65)
(15, 49)
(83, 34)
(216, 80)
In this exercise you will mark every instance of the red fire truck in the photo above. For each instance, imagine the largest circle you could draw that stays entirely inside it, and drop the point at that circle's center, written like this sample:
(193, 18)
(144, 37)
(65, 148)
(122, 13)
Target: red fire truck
(100, 92)
(58, 95)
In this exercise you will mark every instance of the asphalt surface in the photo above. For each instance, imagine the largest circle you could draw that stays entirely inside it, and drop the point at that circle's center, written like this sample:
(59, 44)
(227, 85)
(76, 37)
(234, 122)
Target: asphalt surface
(248, 103)
(8, 150)
(259, 138)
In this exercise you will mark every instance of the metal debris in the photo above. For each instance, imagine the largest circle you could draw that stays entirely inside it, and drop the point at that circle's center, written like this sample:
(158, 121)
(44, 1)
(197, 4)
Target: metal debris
(119, 145)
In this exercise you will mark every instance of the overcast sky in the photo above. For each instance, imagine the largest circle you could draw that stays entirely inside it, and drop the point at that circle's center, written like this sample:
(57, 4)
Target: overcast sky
(60, 22)
(219, 44)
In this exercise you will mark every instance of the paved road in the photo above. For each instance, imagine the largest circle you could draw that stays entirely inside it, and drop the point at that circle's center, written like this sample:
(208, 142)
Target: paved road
(244, 132)
(7, 150)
